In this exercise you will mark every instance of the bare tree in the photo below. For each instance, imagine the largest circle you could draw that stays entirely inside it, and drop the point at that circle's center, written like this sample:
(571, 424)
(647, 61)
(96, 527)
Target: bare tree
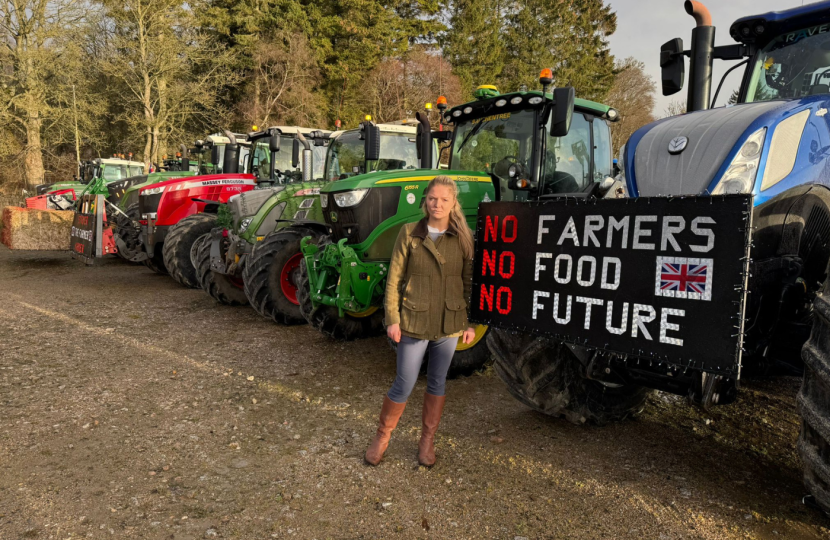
(633, 96)
(168, 72)
(399, 87)
(282, 84)
(676, 107)
(30, 54)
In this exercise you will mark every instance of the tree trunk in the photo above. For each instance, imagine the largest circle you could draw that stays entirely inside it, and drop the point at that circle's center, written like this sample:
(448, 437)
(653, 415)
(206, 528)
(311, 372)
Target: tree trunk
(33, 161)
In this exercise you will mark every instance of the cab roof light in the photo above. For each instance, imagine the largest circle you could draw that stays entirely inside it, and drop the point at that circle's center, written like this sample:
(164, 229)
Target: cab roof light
(368, 117)
(441, 103)
(546, 79)
(427, 106)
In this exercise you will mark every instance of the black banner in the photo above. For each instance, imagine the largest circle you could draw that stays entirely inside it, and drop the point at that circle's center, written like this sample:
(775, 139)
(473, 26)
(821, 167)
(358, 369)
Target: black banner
(83, 237)
(656, 278)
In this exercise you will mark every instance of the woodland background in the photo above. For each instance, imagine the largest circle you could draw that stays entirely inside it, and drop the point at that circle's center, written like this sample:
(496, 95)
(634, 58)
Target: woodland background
(81, 79)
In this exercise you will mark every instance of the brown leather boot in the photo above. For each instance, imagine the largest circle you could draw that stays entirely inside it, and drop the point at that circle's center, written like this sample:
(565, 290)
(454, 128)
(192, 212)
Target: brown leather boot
(390, 413)
(433, 407)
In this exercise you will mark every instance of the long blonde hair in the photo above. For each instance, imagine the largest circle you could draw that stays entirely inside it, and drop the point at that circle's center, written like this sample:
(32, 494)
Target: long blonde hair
(457, 220)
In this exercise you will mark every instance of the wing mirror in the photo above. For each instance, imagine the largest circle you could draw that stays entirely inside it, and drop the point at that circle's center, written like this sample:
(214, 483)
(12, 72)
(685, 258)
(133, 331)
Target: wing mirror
(672, 66)
(563, 111)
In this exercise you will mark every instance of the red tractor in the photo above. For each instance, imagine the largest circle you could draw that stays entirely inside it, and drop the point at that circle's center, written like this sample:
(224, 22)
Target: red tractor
(173, 214)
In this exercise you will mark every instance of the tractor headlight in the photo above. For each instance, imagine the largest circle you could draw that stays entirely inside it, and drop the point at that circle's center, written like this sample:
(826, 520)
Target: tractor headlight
(324, 200)
(350, 198)
(740, 176)
(243, 225)
(153, 191)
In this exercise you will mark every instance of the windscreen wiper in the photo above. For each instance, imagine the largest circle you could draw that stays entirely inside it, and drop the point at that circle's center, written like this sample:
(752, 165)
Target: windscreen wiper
(470, 134)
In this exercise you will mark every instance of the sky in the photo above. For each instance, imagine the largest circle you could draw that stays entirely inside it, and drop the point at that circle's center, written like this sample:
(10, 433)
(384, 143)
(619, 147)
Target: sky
(644, 25)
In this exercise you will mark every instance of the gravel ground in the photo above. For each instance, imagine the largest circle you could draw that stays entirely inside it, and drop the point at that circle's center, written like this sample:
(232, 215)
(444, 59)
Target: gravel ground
(133, 408)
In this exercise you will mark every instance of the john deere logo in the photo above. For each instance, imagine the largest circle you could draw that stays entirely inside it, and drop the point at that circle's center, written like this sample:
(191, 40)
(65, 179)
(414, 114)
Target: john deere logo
(678, 144)
(333, 217)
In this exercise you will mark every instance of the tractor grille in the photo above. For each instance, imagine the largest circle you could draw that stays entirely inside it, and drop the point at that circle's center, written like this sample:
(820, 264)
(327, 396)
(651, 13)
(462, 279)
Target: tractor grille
(149, 204)
(357, 222)
(118, 189)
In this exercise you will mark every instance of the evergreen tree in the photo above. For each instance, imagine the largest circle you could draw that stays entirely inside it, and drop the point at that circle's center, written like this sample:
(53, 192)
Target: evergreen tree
(568, 36)
(473, 43)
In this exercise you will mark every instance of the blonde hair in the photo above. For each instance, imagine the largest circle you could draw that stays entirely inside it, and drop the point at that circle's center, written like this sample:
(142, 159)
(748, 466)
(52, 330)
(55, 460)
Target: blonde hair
(457, 219)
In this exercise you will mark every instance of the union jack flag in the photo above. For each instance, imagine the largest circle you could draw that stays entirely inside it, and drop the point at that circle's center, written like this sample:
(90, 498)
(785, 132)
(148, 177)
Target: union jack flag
(684, 278)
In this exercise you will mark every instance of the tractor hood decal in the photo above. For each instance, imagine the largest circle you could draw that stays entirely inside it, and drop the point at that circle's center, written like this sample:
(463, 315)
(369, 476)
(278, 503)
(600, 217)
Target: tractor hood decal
(711, 134)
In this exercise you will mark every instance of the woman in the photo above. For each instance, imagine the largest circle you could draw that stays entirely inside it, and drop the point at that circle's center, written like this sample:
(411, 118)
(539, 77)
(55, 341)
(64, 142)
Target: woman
(430, 277)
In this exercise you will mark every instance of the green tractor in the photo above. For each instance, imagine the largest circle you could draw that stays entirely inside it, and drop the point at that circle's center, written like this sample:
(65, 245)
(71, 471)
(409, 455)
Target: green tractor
(290, 190)
(271, 267)
(95, 178)
(497, 148)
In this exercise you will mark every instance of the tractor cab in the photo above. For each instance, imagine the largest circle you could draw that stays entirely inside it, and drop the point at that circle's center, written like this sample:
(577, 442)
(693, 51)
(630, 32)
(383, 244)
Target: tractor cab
(515, 138)
(397, 150)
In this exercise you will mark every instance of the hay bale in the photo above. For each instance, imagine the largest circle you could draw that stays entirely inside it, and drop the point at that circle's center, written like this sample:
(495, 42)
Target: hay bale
(25, 228)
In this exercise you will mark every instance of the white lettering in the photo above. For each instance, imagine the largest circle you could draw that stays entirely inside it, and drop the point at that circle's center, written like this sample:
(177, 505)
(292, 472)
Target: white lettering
(569, 233)
(556, 317)
(588, 303)
(591, 275)
(671, 226)
(592, 224)
(539, 266)
(638, 321)
(536, 305)
(609, 311)
(567, 278)
(617, 266)
(666, 325)
(640, 233)
(710, 236)
(542, 228)
(614, 225)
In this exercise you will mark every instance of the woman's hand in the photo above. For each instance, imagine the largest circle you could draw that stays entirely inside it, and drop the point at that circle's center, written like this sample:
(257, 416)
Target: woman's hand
(469, 335)
(394, 332)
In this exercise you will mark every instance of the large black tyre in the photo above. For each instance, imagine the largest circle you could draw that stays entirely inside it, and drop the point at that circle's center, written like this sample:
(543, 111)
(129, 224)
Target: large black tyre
(223, 288)
(546, 376)
(128, 232)
(272, 275)
(466, 360)
(326, 320)
(814, 403)
(178, 244)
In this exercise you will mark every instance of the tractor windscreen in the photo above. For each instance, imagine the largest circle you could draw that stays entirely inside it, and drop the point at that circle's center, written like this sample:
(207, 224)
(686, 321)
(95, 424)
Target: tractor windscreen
(792, 65)
(119, 172)
(345, 157)
(493, 143)
(261, 162)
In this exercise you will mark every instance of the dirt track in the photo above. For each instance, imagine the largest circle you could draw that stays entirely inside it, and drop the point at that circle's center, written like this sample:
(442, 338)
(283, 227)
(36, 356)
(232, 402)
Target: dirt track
(133, 408)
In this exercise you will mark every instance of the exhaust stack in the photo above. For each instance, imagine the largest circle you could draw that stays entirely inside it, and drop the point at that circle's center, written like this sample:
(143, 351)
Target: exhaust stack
(424, 140)
(231, 161)
(308, 158)
(702, 52)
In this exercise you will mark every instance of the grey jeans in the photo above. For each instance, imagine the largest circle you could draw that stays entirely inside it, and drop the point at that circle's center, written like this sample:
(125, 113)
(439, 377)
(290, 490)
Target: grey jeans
(410, 357)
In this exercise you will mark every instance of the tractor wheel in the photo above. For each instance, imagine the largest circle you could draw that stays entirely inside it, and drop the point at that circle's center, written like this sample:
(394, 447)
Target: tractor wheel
(223, 288)
(156, 262)
(814, 405)
(352, 326)
(128, 233)
(272, 275)
(468, 358)
(177, 247)
(546, 376)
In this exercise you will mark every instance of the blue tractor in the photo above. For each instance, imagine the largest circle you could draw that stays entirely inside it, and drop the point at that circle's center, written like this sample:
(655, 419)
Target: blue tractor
(773, 143)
